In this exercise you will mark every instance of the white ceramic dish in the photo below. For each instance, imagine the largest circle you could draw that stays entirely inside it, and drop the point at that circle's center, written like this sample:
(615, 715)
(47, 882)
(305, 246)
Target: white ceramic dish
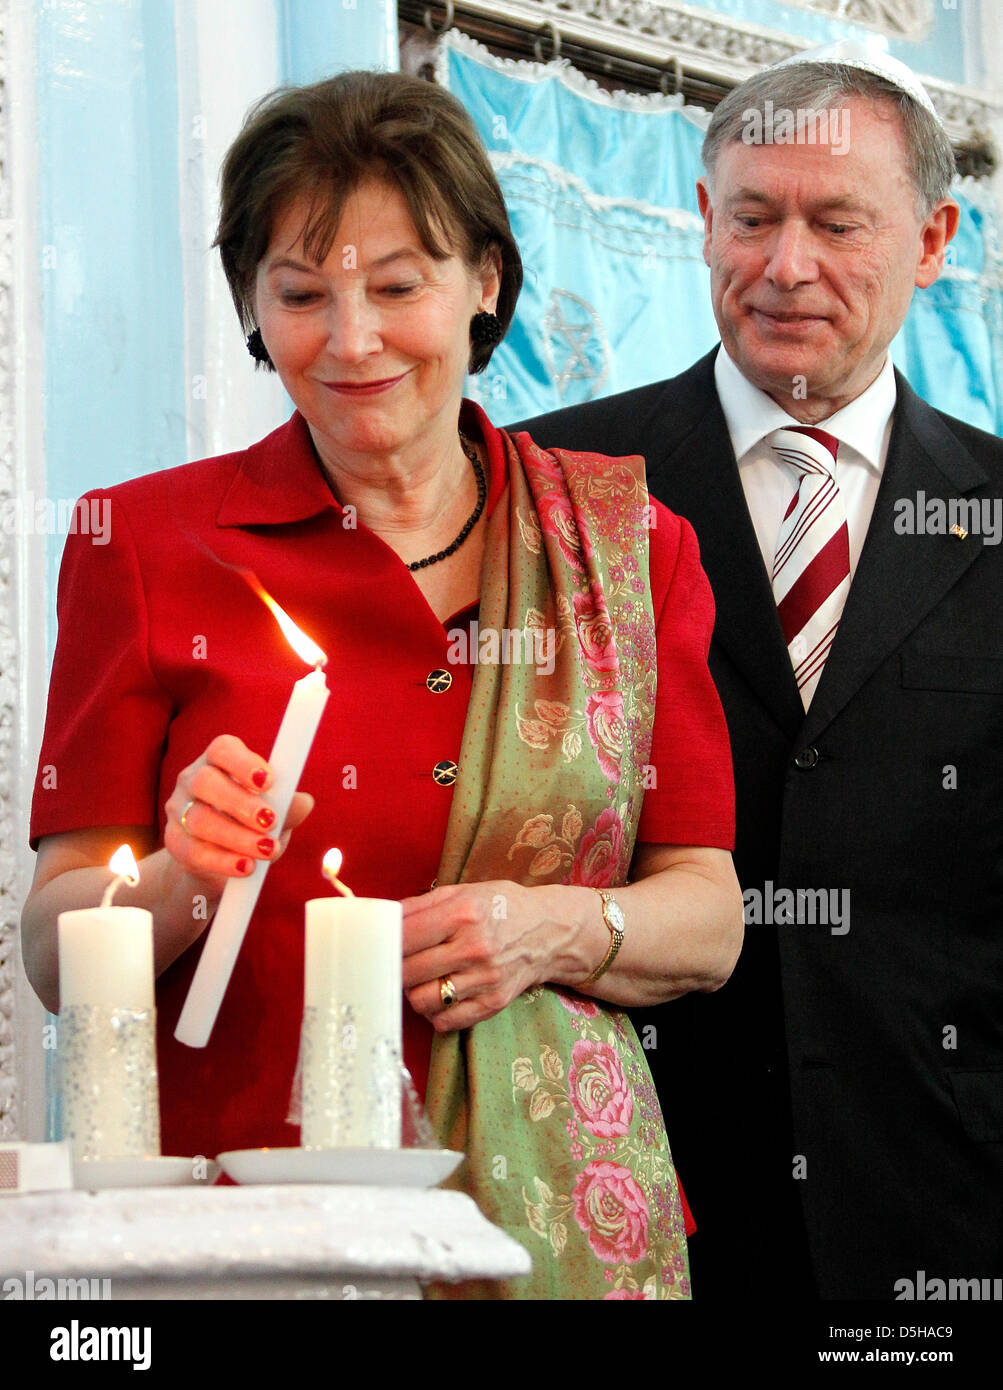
(359, 1167)
(94, 1174)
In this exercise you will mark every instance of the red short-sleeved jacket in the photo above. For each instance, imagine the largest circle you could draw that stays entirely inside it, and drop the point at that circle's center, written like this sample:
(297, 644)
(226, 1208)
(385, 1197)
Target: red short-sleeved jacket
(161, 648)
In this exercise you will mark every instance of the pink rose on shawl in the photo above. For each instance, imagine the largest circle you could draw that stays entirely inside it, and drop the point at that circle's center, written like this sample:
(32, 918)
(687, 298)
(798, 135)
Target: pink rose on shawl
(599, 852)
(598, 1089)
(618, 1294)
(604, 713)
(557, 518)
(612, 1211)
(578, 1004)
(595, 631)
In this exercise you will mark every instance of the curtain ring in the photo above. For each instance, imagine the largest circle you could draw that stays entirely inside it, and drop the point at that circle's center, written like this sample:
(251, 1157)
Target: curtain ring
(426, 19)
(555, 39)
(675, 68)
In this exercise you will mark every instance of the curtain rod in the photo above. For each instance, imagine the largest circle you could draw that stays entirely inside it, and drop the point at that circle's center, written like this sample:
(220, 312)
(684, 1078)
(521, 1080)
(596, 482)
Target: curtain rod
(510, 39)
(507, 38)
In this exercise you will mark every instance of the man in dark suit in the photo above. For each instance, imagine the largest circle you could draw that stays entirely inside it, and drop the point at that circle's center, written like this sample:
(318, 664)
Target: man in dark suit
(836, 1110)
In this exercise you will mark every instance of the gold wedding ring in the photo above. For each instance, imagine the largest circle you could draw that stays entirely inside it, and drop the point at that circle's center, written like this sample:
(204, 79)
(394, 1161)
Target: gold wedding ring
(184, 825)
(447, 991)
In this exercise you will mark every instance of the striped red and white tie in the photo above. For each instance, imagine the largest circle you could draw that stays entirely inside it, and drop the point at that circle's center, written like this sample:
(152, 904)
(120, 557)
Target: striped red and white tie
(811, 569)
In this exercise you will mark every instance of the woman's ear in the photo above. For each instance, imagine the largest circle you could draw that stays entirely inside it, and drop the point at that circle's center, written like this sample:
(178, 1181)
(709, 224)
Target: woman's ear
(490, 278)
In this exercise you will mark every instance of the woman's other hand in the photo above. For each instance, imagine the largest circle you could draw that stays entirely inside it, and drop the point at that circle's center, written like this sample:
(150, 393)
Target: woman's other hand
(683, 932)
(492, 940)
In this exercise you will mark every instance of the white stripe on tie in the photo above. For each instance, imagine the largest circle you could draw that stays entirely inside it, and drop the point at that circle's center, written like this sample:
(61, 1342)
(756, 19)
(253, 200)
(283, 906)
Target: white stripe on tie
(811, 569)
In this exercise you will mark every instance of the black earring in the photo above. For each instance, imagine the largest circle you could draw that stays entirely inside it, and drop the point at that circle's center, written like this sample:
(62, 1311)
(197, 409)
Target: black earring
(485, 329)
(256, 347)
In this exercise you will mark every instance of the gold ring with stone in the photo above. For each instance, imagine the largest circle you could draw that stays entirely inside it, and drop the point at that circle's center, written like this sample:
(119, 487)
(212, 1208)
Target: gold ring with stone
(184, 824)
(447, 991)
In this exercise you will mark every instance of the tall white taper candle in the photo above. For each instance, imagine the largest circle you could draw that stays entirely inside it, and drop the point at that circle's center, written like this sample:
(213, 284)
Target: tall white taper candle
(223, 942)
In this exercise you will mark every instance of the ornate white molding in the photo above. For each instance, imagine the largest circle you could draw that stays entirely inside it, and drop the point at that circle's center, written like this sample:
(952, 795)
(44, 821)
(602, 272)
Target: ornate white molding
(652, 31)
(9, 662)
(717, 46)
(899, 19)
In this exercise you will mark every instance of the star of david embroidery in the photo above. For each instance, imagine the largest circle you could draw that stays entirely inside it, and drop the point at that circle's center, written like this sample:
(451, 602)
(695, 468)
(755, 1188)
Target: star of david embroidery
(574, 343)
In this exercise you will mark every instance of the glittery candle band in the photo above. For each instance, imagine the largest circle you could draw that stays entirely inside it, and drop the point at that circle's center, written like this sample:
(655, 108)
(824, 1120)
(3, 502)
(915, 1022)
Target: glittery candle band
(109, 1081)
(351, 1082)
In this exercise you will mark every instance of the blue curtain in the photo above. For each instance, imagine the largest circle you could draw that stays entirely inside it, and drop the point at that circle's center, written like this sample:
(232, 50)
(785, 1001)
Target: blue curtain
(600, 190)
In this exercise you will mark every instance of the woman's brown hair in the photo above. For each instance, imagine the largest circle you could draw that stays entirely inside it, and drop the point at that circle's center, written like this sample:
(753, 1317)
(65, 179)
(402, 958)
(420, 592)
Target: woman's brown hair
(320, 142)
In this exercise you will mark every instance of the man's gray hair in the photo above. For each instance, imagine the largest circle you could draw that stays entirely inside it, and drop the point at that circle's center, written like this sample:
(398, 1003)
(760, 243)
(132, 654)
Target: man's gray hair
(817, 87)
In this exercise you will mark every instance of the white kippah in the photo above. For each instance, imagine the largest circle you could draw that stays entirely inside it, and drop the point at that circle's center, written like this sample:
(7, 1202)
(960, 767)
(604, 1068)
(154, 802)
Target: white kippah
(858, 53)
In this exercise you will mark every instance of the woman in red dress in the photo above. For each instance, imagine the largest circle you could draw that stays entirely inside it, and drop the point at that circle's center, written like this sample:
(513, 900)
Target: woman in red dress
(368, 251)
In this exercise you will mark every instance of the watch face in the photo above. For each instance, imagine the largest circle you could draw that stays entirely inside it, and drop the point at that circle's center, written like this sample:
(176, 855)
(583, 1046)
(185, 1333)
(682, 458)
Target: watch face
(614, 914)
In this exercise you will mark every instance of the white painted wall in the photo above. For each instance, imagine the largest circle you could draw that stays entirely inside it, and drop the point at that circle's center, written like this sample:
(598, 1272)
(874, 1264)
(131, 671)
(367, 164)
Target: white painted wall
(227, 53)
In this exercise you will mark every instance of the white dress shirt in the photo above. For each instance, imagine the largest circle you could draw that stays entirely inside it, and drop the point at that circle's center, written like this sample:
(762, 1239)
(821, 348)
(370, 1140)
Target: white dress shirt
(863, 429)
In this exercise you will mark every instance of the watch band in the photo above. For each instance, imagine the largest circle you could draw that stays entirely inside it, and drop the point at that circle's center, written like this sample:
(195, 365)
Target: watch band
(612, 915)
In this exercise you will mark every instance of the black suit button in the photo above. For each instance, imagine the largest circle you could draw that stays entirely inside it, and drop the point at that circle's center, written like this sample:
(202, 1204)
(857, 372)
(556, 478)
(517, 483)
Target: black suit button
(806, 758)
(445, 773)
(438, 681)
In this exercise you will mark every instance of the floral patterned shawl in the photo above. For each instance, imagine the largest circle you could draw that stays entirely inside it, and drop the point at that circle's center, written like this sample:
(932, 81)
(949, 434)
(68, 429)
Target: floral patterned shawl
(552, 1100)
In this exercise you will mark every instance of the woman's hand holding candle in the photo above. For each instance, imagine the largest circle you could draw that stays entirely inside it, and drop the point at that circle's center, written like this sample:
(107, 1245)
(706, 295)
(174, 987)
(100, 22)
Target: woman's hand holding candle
(219, 821)
(236, 906)
(72, 867)
(243, 808)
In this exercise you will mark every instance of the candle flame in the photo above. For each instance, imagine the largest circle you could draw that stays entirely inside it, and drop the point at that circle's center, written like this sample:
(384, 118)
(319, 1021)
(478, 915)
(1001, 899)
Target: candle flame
(304, 647)
(331, 867)
(123, 865)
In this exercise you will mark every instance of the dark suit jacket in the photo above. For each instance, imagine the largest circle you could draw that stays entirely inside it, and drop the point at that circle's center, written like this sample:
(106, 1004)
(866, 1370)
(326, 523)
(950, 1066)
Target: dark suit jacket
(860, 1070)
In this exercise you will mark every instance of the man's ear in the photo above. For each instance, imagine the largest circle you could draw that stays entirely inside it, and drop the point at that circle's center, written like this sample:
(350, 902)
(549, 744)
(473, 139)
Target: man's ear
(707, 213)
(935, 233)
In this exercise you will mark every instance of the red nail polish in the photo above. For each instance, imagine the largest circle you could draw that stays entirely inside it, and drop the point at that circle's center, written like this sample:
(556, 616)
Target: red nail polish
(259, 778)
(266, 847)
(265, 818)
(243, 866)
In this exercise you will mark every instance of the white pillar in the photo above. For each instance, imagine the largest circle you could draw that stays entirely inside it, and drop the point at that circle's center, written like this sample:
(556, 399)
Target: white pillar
(23, 653)
(227, 57)
(987, 25)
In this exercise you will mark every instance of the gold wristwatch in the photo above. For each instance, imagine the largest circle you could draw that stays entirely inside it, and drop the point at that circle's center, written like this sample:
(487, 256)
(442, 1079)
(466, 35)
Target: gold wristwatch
(612, 915)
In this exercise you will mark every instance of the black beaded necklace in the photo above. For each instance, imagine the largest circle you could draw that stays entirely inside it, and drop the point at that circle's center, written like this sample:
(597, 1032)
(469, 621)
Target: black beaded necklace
(472, 520)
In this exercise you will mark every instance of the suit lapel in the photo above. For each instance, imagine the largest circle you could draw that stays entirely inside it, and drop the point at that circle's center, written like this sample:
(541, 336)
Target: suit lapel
(899, 578)
(697, 476)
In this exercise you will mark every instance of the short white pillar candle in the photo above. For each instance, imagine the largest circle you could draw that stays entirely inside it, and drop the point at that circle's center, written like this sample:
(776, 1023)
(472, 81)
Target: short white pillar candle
(107, 1031)
(352, 1024)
